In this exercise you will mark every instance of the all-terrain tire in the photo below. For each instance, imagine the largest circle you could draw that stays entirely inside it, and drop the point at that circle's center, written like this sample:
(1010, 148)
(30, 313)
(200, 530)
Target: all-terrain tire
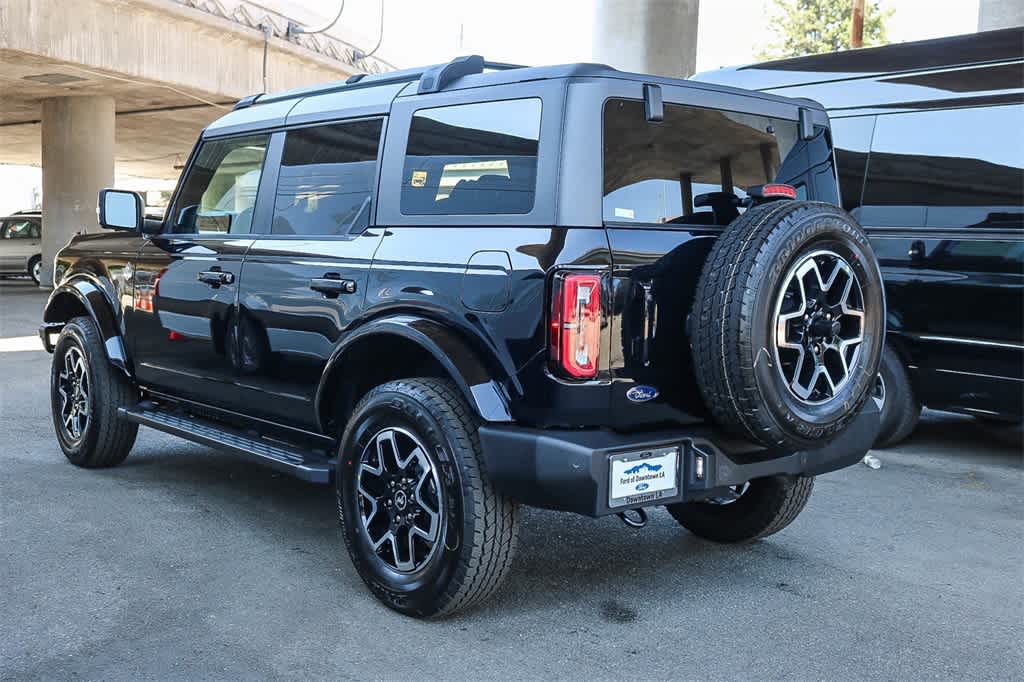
(479, 530)
(767, 506)
(106, 439)
(900, 409)
(734, 317)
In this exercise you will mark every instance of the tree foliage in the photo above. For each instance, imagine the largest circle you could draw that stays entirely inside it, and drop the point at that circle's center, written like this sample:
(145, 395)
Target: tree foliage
(814, 26)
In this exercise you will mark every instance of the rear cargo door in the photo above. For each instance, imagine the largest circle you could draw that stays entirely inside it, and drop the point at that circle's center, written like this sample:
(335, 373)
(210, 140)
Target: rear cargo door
(669, 189)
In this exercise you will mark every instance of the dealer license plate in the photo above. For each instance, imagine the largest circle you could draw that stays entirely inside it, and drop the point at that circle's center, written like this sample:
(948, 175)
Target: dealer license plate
(638, 477)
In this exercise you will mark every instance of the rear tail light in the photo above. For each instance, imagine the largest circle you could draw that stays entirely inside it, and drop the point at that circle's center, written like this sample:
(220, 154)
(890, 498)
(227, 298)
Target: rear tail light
(773, 190)
(576, 324)
(779, 190)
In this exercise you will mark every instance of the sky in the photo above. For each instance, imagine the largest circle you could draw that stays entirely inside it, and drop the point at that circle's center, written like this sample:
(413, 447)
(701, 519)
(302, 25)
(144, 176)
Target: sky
(730, 32)
(418, 32)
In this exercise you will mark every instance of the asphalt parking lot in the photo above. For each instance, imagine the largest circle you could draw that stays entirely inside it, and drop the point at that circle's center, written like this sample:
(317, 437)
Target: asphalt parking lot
(188, 563)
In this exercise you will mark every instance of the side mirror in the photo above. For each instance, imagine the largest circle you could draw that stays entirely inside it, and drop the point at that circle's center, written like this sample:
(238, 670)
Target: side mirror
(121, 210)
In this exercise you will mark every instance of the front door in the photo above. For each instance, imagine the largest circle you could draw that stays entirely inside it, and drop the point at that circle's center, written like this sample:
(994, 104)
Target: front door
(186, 281)
(305, 277)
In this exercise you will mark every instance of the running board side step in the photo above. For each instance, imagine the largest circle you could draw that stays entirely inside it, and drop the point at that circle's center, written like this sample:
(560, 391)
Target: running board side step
(303, 464)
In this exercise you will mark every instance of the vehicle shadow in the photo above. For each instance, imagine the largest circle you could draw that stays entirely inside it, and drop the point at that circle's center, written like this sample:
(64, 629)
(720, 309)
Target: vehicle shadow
(563, 560)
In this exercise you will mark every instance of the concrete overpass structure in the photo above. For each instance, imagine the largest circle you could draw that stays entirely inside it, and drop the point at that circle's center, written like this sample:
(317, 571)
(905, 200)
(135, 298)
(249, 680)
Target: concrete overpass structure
(88, 84)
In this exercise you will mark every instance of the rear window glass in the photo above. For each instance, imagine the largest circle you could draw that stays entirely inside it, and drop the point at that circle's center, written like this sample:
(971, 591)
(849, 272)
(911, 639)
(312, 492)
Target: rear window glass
(693, 167)
(472, 159)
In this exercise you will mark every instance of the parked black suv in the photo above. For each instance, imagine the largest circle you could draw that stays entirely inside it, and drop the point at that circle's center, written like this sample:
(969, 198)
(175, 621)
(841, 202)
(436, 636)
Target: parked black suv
(457, 289)
(929, 143)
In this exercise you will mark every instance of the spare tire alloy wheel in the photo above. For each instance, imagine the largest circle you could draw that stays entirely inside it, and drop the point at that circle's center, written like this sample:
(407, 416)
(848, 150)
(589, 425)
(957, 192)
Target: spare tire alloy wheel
(790, 320)
(819, 326)
(400, 500)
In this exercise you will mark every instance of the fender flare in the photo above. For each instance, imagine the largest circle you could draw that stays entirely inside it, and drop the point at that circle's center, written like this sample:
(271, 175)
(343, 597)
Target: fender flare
(486, 395)
(90, 296)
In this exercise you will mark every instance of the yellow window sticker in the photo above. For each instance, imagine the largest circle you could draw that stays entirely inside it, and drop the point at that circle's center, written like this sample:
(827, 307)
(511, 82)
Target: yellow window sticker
(419, 178)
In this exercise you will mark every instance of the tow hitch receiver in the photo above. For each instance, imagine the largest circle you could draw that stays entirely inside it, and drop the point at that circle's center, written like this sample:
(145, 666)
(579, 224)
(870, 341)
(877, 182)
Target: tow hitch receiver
(634, 518)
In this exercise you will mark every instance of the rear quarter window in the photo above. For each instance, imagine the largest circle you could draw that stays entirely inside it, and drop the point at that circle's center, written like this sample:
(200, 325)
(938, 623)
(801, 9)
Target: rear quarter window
(472, 159)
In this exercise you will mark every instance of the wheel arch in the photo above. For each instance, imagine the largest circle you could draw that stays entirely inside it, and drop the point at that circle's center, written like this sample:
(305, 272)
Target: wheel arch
(414, 346)
(81, 296)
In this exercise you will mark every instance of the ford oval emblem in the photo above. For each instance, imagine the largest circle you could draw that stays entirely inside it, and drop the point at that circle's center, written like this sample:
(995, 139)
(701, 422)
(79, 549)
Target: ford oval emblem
(641, 393)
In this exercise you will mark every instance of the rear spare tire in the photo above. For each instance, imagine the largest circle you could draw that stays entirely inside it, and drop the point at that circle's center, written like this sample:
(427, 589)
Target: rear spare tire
(788, 324)
(748, 512)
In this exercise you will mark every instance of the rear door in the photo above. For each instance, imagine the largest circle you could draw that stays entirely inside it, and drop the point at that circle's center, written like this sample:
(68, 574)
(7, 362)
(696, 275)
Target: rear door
(184, 313)
(944, 205)
(306, 274)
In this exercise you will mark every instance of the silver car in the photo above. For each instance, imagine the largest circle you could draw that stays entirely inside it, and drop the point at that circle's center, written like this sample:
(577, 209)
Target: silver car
(21, 244)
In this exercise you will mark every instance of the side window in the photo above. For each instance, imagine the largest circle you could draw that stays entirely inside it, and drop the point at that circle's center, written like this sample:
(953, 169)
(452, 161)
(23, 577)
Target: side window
(949, 168)
(852, 140)
(692, 167)
(472, 159)
(20, 229)
(220, 191)
(326, 182)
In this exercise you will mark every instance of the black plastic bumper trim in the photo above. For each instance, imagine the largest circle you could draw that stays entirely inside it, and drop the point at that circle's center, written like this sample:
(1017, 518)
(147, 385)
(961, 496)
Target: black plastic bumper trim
(568, 470)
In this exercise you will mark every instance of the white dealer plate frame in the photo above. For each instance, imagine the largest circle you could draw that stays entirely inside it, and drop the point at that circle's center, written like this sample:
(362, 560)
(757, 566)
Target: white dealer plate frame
(643, 477)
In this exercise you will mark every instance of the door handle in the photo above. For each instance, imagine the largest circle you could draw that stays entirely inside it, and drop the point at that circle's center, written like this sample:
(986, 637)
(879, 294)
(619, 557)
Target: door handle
(332, 285)
(215, 277)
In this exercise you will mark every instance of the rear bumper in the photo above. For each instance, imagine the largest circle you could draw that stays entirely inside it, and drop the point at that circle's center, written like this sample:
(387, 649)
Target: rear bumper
(569, 470)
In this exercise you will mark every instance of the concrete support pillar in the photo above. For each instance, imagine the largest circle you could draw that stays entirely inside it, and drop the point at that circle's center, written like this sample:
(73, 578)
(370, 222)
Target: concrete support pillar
(647, 36)
(993, 14)
(78, 161)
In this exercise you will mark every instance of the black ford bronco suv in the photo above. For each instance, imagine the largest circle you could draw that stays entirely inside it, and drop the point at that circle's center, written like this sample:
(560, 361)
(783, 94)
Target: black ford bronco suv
(459, 289)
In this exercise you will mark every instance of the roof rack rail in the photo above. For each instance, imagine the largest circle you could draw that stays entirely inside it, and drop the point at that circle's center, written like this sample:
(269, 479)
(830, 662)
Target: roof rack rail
(431, 78)
(246, 102)
(437, 78)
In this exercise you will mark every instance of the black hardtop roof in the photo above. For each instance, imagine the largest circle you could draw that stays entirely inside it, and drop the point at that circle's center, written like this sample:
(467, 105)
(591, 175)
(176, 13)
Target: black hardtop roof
(973, 48)
(374, 95)
(474, 71)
